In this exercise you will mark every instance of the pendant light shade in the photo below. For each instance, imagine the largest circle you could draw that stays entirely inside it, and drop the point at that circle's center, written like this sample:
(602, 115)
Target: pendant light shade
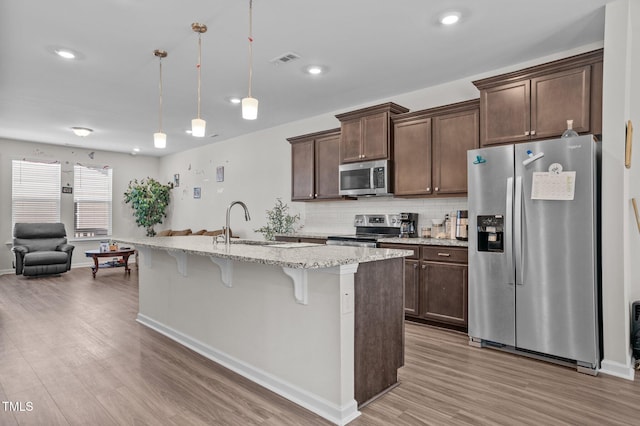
(160, 138)
(249, 108)
(198, 125)
(250, 104)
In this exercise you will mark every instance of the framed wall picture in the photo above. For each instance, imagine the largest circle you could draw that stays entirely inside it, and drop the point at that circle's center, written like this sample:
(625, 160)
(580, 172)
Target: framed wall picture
(220, 174)
(176, 180)
(196, 192)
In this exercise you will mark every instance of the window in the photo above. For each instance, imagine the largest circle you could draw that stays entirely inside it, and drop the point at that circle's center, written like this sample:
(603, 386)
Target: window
(35, 192)
(92, 201)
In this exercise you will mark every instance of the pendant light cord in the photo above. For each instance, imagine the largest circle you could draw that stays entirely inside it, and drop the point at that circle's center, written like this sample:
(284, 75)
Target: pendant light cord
(160, 106)
(199, 66)
(250, 44)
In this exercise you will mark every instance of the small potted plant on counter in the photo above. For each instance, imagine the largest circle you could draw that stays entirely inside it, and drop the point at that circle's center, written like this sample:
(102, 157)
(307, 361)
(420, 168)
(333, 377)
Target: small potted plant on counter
(279, 221)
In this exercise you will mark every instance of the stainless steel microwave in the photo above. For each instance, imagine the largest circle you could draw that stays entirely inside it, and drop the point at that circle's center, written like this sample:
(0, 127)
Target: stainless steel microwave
(367, 178)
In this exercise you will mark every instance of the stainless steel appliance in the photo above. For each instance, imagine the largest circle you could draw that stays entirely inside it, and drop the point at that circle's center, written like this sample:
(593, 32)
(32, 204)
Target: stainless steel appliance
(533, 249)
(369, 229)
(462, 225)
(408, 225)
(366, 178)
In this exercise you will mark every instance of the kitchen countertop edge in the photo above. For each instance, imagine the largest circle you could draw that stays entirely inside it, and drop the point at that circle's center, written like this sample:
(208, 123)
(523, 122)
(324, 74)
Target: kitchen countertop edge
(307, 256)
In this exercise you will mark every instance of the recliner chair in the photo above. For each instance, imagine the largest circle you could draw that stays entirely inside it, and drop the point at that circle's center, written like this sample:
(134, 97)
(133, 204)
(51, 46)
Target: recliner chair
(41, 249)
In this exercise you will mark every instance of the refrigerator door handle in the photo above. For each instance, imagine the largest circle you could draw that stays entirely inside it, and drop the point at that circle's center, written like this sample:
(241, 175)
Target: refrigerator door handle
(517, 231)
(508, 231)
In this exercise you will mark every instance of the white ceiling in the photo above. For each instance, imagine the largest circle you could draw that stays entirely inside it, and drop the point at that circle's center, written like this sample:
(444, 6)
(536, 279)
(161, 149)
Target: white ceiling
(373, 49)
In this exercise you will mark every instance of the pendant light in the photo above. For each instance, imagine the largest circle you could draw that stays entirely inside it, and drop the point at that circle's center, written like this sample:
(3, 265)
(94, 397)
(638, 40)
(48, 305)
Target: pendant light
(197, 124)
(160, 138)
(249, 104)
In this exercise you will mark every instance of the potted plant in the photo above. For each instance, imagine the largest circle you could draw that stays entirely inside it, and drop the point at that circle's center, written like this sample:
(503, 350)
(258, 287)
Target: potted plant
(279, 221)
(149, 199)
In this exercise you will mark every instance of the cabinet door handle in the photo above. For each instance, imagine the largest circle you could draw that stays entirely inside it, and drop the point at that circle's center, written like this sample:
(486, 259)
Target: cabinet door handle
(428, 188)
(315, 195)
(444, 254)
(437, 189)
(424, 266)
(526, 133)
(415, 266)
(533, 132)
(311, 195)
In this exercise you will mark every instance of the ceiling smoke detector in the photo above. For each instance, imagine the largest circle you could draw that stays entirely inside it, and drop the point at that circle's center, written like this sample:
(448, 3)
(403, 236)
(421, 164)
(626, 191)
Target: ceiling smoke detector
(285, 58)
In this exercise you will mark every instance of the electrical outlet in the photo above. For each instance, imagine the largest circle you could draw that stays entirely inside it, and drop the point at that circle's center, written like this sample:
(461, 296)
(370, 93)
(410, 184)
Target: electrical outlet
(347, 303)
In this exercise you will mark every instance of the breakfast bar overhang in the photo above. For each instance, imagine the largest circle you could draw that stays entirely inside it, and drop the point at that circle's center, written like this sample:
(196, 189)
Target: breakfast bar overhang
(320, 325)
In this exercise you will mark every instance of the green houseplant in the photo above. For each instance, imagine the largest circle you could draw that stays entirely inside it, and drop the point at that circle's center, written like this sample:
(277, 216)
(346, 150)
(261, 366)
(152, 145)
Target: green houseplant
(279, 221)
(149, 200)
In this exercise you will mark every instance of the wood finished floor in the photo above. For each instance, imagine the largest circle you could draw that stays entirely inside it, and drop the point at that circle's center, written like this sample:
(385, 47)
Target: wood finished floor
(71, 346)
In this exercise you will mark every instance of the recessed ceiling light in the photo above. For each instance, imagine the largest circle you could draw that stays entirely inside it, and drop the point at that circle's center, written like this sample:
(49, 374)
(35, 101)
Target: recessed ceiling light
(235, 100)
(315, 69)
(136, 149)
(188, 131)
(82, 131)
(65, 53)
(450, 18)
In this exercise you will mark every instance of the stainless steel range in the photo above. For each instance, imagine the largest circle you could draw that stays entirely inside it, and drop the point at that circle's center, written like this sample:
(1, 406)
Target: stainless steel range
(372, 227)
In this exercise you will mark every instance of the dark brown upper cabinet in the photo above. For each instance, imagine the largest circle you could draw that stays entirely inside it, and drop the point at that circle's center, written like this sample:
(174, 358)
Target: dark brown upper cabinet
(536, 102)
(366, 134)
(430, 149)
(314, 166)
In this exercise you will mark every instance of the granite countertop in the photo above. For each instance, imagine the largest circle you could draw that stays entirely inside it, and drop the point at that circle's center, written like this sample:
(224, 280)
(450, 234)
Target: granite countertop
(391, 240)
(426, 241)
(291, 255)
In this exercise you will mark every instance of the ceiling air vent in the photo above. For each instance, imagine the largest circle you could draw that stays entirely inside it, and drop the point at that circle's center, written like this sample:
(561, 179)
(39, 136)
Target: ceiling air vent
(285, 58)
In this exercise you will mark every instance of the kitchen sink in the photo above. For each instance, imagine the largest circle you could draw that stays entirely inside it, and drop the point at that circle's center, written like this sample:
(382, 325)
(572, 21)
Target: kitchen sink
(274, 244)
(256, 242)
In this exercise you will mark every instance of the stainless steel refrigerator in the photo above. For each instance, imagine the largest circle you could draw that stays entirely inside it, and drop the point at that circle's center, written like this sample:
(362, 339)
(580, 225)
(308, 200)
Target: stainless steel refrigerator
(533, 249)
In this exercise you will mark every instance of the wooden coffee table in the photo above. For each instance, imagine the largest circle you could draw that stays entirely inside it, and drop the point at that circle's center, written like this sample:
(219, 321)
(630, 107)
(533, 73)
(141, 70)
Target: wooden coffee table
(97, 254)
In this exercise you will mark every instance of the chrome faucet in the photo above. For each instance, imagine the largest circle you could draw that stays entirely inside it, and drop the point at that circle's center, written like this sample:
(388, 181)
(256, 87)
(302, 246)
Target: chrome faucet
(226, 228)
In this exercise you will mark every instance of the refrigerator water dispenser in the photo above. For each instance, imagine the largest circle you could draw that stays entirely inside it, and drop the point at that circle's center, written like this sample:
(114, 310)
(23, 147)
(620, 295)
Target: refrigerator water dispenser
(491, 233)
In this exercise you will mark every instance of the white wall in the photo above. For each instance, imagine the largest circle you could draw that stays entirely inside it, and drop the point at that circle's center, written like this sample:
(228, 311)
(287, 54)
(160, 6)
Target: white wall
(620, 236)
(125, 168)
(634, 172)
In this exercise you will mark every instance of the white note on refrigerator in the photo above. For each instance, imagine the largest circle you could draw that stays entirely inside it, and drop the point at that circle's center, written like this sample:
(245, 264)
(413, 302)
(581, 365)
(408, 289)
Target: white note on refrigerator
(552, 186)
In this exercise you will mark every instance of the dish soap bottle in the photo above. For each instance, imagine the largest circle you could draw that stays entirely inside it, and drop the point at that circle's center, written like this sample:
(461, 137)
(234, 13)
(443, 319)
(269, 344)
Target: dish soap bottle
(569, 133)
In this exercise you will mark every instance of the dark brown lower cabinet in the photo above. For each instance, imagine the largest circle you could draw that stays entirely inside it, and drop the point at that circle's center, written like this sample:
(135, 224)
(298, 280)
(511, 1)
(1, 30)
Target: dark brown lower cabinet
(411, 286)
(436, 285)
(443, 295)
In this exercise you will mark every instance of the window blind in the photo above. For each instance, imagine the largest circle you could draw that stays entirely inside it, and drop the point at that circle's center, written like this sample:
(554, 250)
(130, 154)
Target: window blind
(35, 192)
(92, 201)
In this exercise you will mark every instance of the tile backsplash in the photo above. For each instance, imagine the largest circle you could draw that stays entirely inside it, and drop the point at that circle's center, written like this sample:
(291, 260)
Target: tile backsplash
(337, 216)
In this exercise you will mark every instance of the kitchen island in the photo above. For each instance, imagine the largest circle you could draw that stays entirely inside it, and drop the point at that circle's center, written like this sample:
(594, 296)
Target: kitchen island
(320, 325)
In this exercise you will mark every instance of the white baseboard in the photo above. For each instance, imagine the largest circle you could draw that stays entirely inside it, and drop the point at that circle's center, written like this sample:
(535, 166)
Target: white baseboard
(336, 414)
(617, 369)
(7, 271)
